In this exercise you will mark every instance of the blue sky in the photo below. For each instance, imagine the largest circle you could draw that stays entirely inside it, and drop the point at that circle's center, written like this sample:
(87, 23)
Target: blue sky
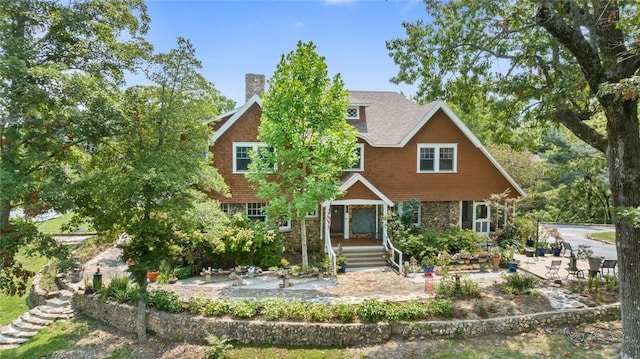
(233, 38)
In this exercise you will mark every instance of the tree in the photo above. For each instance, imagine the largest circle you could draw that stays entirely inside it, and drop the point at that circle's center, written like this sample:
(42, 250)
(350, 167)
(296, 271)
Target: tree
(308, 141)
(155, 173)
(536, 61)
(60, 67)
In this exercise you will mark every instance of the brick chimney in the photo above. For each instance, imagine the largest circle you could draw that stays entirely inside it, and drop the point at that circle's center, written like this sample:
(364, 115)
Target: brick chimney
(254, 85)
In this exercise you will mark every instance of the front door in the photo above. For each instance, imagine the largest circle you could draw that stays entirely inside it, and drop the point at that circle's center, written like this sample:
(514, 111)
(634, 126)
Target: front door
(481, 218)
(364, 221)
(337, 219)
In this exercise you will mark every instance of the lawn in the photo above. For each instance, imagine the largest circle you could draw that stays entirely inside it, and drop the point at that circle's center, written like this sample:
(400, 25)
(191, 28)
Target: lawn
(54, 225)
(604, 236)
(13, 307)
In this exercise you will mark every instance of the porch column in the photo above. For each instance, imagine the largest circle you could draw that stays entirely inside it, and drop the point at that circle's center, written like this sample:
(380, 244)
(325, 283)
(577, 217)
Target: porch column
(385, 238)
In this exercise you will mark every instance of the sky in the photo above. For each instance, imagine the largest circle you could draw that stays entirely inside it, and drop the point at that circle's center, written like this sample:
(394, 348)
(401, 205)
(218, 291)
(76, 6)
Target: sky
(233, 38)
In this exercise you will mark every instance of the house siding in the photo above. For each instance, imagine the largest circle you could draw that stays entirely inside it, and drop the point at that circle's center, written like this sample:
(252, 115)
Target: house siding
(394, 170)
(439, 215)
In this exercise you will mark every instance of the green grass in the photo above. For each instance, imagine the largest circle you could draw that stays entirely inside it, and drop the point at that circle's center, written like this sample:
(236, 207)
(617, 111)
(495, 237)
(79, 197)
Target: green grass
(14, 307)
(59, 336)
(604, 236)
(53, 226)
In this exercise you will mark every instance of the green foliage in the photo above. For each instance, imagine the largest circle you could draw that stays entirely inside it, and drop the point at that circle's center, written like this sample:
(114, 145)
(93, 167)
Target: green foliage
(414, 310)
(371, 310)
(273, 308)
(217, 308)
(243, 308)
(217, 347)
(441, 307)
(343, 312)
(451, 287)
(517, 284)
(303, 124)
(119, 290)
(165, 300)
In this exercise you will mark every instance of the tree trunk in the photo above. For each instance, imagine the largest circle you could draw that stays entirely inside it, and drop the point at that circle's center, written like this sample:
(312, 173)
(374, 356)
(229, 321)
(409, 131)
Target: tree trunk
(624, 177)
(303, 239)
(141, 314)
(5, 211)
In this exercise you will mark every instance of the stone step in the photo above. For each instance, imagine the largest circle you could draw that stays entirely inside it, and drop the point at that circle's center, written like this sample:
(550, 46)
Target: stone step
(4, 340)
(364, 256)
(59, 312)
(21, 325)
(37, 312)
(65, 295)
(57, 302)
(11, 332)
(32, 319)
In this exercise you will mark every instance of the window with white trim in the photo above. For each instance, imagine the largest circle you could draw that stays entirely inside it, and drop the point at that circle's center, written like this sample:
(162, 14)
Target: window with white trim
(225, 207)
(437, 157)
(242, 155)
(359, 165)
(312, 214)
(353, 112)
(255, 211)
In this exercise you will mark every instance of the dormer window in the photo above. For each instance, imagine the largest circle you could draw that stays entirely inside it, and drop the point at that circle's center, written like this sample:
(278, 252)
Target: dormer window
(353, 113)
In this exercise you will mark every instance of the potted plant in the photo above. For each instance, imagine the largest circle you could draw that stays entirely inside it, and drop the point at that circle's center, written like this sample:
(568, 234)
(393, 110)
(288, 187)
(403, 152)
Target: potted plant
(428, 264)
(586, 253)
(341, 261)
(152, 275)
(76, 274)
(556, 248)
(512, 264)
(495, 258)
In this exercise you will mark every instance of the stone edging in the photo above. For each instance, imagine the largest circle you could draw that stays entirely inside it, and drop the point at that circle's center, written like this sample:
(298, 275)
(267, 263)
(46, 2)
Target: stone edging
(194, 329)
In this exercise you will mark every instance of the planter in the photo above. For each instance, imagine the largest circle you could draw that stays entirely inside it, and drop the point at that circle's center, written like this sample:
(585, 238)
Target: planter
(342, 268)
(496, 262)
(594, 264)
(152, 276)
(556, 251)
(529, 252)
(428, 270)
(513, 267)
(75, 276)
(541, 251)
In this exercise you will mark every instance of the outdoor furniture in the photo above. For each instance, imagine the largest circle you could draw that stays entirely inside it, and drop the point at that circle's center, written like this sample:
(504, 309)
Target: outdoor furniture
(609, 265)
(552, 270)
(565, 246)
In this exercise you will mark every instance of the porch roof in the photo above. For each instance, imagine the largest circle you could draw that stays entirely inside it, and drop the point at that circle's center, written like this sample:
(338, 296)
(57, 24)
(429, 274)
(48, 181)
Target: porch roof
(354, 178)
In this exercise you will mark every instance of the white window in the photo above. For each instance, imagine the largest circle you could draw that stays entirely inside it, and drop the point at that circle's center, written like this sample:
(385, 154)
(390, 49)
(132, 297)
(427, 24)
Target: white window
(225, 207)
(313, 214)
(437, 157)
(241, 155)
(255, 211)
(359, 165)
(353, 112)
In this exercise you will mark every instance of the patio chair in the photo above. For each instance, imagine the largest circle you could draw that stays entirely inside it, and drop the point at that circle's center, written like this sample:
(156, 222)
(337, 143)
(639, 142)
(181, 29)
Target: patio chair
(565, 246)
(609, 265)
(552, 270)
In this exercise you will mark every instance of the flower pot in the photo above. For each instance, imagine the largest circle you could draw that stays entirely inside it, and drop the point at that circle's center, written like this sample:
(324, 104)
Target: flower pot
(541, 251)
(152, 276)
(428, 270)
(76, 276)
(513, 267)
(342, 268)
(496, 262)
(594, 264)
(556, 251)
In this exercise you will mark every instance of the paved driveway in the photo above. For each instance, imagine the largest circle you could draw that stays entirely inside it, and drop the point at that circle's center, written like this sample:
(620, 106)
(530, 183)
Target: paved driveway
(577, 235)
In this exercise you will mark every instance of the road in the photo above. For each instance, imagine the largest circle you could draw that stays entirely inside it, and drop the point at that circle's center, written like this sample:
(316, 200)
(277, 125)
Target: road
(577, 235)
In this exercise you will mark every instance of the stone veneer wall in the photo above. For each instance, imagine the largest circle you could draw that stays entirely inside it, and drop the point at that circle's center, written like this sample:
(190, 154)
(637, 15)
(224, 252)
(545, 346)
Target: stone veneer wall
(291, 238)
(440, 215)
(194, 329)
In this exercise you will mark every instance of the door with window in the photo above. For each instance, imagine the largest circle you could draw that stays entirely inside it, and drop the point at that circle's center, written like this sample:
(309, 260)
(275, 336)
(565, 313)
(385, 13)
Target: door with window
(481, 218)
(337, 219)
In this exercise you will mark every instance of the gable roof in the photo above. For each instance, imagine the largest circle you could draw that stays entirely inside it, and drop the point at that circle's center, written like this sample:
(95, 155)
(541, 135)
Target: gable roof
(391, 121)
(354, 178)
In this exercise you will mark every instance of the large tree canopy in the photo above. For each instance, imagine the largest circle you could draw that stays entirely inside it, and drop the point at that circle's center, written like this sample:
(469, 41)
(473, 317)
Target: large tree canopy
(545, 60)
(151, 175)
(61, 63)
(303, 122)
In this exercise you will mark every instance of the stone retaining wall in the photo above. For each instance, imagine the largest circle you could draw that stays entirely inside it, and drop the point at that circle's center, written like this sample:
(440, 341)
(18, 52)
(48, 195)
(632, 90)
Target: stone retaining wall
(194, 329)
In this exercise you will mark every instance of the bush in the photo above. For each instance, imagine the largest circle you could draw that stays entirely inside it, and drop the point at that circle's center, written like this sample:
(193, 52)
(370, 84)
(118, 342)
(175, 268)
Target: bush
(296, 310)
(217, 347)
(371, 310)
(343, 312)
(273, 308)
(413, 310)
(243, 308)
(318, 312)
(197, 305)
(118, 290)
(217, 308)
(441, 307)
(165, 300)
(517, 284)
(450, 287)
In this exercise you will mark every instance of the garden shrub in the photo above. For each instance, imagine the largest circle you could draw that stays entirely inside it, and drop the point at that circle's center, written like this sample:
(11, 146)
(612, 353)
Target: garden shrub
(296, 310)
(273, 308)
(165, 300)
(243, 308)
(196, 305)
(217, 308)
(217, 347)
(118, 290)
(517, 284)
(441, 307)
(343, 312)
(450, 287)
(318, 312)
(371, 310)
(413, 310)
